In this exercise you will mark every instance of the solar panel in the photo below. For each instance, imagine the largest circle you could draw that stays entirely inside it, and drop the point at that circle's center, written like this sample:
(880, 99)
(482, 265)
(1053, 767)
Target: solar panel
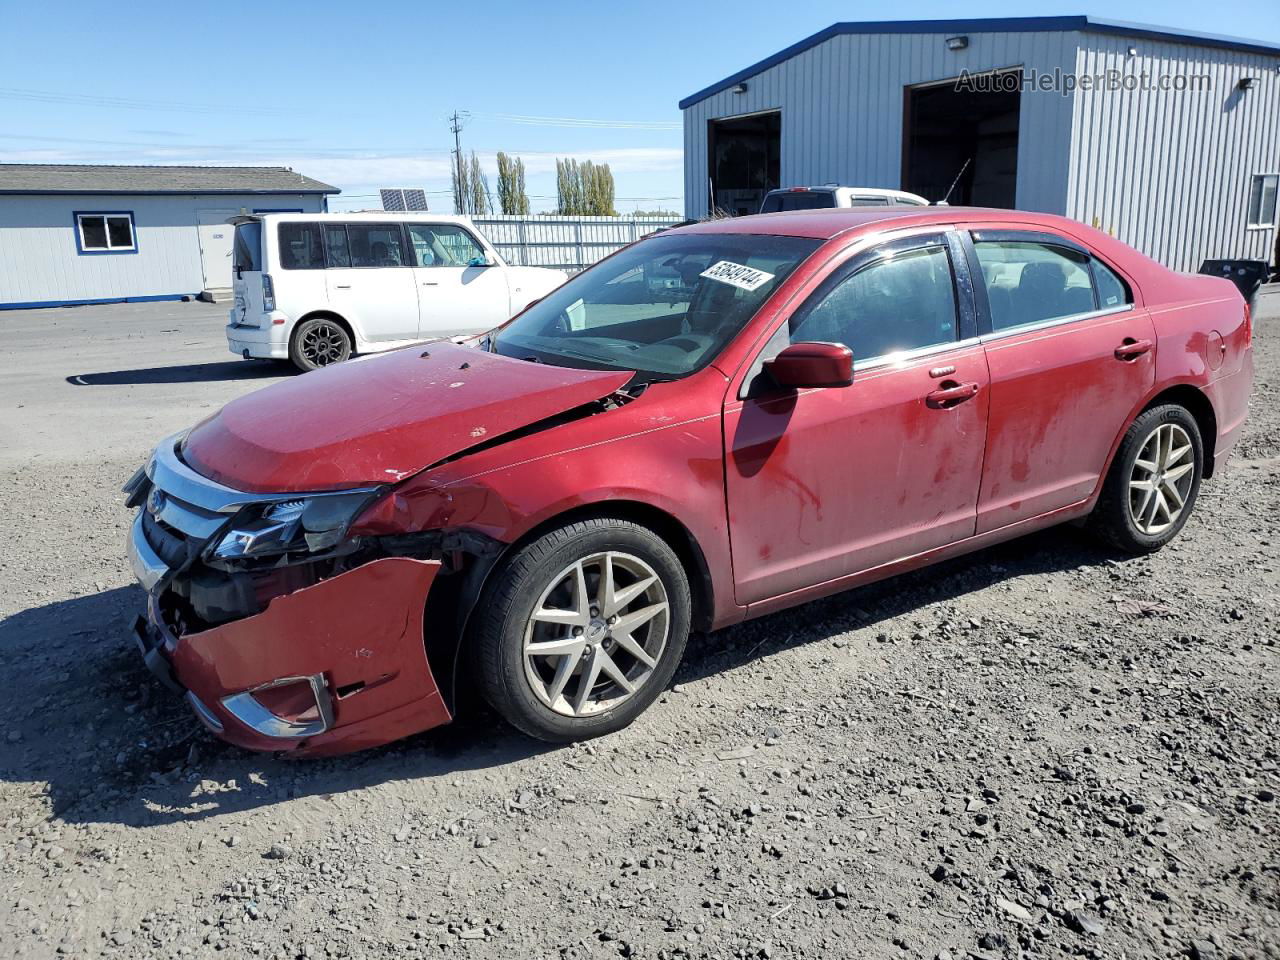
(400, 200)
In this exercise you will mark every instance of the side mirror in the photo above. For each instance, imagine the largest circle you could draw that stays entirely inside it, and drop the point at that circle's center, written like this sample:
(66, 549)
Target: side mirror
(804, 365)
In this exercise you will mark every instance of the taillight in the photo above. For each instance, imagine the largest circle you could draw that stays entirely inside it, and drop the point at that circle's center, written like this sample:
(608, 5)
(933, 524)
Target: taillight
(268, 293)
(1248, 326)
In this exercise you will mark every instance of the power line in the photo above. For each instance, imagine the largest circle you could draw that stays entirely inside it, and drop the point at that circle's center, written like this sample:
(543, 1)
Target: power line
(583, 122)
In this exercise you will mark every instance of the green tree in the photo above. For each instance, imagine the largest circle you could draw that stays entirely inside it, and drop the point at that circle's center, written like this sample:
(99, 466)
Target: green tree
(511, 191)
(584, 189)
(461, 184)
(568, 188)
(479, 184)
(598, 189)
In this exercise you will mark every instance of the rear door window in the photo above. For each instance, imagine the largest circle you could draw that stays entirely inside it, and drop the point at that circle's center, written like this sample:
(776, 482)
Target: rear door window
(246, 248)
(1029, 281)
(335, 243)
(300, 247)
(376, 245)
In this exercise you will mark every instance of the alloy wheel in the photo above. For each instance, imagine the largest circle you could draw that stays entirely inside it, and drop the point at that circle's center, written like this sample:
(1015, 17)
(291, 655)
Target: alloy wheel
(323, 344)
(596, 634)
(1161, 479)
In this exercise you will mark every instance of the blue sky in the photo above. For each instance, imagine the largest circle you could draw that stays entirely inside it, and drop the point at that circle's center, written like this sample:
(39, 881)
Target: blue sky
(359, 95)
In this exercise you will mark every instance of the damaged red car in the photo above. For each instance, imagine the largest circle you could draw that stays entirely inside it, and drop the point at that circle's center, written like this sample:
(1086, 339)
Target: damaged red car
(714, 423)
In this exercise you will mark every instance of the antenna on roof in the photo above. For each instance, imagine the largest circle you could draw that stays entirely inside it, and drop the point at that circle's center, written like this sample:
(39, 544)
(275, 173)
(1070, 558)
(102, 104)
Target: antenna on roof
(947, 197)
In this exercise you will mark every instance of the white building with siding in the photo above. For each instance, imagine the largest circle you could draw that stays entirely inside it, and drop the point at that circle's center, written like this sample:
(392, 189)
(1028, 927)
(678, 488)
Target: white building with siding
(73, 234)
(1172, 144)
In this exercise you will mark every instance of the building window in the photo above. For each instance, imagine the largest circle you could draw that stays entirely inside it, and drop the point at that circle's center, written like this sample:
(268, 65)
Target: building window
(1262, 199)
(105, 233)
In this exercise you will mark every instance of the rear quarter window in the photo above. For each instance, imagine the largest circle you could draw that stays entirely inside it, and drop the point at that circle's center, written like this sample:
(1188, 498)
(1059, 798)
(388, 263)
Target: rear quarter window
(1112, 291)
(300, 247)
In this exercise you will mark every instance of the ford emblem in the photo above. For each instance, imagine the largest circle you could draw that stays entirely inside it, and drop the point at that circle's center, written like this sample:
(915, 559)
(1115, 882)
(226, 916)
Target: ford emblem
(155, 501)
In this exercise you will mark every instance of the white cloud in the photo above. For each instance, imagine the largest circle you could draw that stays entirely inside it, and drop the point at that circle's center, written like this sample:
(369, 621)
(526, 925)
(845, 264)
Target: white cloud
(434, 167)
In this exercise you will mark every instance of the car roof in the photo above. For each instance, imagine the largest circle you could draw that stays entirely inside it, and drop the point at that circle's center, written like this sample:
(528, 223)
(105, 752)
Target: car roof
(347, 216)
(831, 222)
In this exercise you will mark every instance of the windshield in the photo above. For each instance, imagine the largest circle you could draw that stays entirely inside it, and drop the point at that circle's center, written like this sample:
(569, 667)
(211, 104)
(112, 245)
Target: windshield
(798, 200)
(663, 307)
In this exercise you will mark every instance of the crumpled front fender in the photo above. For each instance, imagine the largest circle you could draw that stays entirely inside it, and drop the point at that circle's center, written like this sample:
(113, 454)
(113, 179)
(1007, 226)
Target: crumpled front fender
(361, 630)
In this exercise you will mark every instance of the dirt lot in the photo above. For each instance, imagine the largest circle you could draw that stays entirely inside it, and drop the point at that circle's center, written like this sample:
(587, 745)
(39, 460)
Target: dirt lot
(1043, 749)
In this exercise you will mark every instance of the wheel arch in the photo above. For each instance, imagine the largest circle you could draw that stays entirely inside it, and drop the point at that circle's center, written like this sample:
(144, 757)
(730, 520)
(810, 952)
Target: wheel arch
(326, 314)
(459, 599)
(654, 518)
(1197, 403)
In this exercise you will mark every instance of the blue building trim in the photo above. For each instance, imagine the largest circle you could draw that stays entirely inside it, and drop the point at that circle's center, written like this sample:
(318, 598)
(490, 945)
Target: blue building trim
(36, 304)
(167, 193)
(988, 25)
(133, 231)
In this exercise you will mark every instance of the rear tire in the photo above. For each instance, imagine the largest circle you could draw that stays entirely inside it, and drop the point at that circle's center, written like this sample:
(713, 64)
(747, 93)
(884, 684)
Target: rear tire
(562, 656)
(1153, 482)
(319, 342)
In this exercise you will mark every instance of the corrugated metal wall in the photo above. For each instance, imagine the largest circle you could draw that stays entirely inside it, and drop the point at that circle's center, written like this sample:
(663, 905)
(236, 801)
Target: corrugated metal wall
(1169, 171)
(566, 243)
(1166, 171)
(40, 263)
(842, 109)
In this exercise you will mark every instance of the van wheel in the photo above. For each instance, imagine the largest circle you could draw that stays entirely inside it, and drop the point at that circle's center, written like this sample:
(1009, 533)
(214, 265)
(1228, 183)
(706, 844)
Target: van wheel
(582, 629)
(317, 343)
(1153, 483)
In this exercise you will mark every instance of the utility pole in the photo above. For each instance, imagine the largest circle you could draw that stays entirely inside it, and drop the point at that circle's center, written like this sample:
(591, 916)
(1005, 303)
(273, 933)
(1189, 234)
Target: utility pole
(460, 192)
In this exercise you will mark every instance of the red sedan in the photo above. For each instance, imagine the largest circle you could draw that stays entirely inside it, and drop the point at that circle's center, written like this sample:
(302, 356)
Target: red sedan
(717, 422)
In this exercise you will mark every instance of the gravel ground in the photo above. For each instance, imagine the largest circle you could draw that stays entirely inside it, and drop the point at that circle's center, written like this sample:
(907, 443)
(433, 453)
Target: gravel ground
(1040, 750)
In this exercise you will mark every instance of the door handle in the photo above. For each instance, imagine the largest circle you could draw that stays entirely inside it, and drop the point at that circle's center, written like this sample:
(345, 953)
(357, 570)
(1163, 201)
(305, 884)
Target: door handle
(431, 283)
(950, 394)
(1131, 349)
(343, 286)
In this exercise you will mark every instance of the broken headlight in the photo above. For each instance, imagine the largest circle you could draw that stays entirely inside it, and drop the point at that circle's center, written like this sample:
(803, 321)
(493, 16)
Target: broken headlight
(277, 527)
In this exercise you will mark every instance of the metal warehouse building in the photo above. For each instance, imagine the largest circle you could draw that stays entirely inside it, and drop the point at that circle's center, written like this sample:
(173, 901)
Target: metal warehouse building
(74, 234)
(1168, 140)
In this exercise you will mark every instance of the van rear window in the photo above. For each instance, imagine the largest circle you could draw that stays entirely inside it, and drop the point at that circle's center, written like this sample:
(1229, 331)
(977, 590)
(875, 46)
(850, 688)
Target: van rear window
(246, 250)
(300, 247)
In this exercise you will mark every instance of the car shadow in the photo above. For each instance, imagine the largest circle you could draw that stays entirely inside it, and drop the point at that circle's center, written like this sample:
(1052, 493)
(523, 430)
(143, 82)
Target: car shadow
(219, 371)
(112, 745)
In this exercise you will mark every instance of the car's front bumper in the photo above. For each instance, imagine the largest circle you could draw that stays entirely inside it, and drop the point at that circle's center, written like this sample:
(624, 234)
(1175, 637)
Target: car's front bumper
(352, 643)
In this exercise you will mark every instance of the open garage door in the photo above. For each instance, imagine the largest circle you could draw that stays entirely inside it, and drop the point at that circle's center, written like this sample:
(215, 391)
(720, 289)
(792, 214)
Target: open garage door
(743, 161)
(949, 126)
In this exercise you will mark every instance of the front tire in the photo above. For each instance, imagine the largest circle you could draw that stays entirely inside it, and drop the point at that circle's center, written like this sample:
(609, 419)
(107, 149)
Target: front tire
(580, 630)
(1153, 483)
(319, 342)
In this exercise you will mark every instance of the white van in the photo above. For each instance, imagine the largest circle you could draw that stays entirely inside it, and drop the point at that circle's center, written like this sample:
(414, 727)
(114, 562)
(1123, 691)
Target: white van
(316, 288)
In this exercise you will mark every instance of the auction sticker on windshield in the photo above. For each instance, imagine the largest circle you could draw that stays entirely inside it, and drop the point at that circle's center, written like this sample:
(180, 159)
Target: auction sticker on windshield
(737, 275)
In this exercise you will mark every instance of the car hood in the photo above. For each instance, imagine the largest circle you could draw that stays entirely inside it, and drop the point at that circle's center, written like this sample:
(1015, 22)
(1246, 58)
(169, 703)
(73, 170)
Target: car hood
(383, 419)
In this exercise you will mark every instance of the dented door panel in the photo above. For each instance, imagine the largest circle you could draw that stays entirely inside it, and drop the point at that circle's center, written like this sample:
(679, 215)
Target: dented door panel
(1060, 397)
